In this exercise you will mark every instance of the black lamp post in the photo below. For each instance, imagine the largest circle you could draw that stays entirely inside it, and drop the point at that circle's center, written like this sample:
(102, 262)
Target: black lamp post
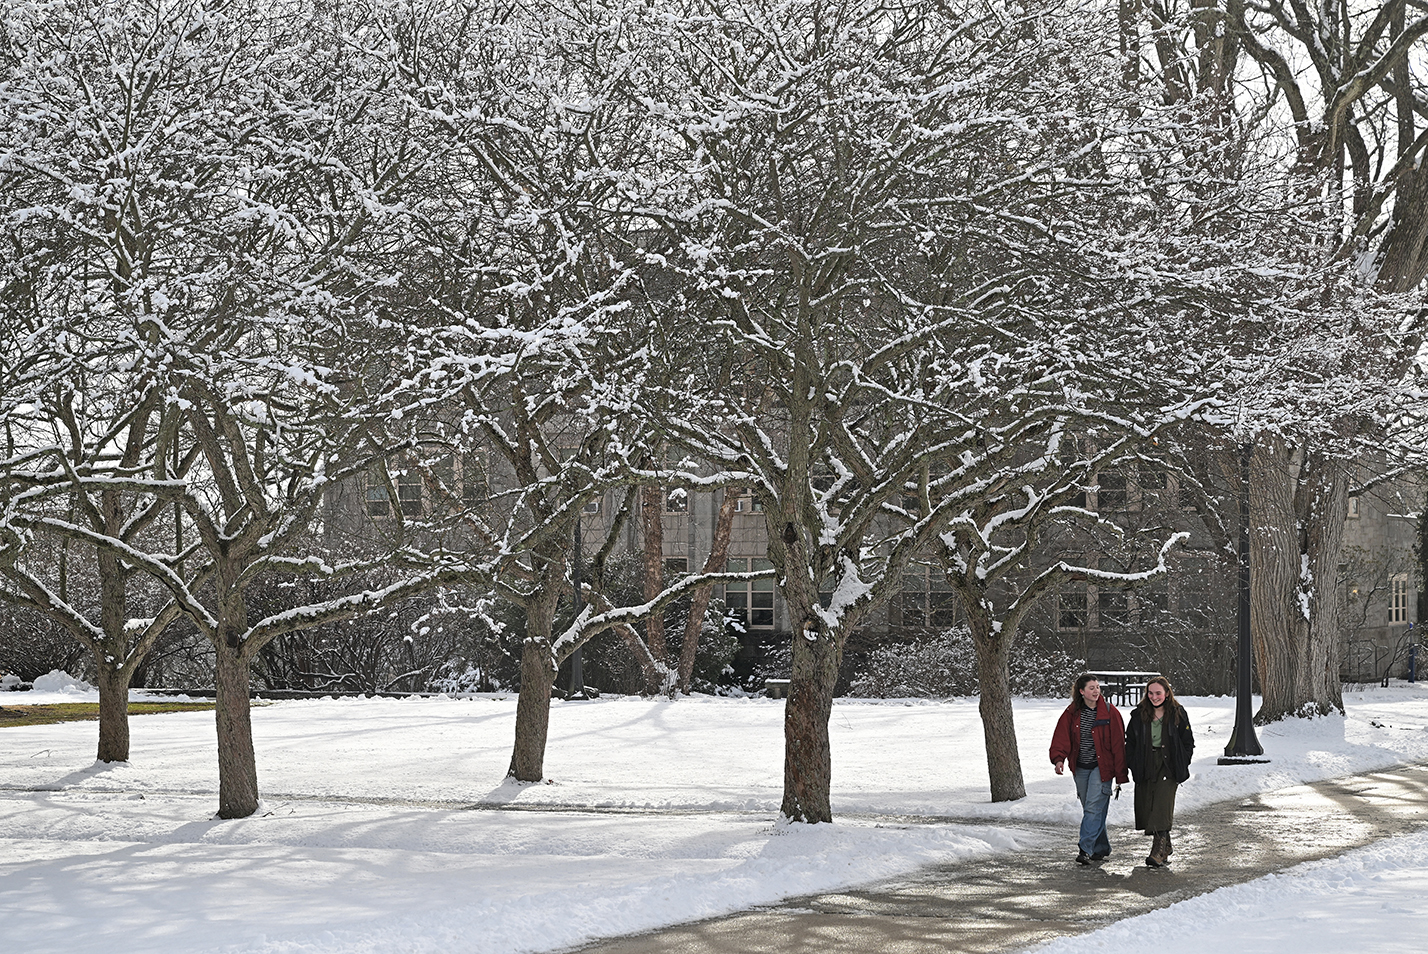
(1243, 747)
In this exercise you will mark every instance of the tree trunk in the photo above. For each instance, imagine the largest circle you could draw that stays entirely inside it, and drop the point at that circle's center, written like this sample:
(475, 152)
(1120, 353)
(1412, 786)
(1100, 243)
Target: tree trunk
(113, 648)
(538, 671)
(807, 754)
(699, 604)
(1298, 504)
(113, 713)
(237, 763)
(652, 521)
(998, 723)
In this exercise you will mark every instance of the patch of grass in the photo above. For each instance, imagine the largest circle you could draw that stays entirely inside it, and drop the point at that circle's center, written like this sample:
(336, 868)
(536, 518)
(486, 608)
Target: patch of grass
(85, 711)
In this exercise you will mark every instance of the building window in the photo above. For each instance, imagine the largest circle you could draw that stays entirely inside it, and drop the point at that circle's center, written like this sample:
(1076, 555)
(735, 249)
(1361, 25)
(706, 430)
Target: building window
(1353, 507)
(1111, 493)
(409, 493)
(752, 602)
(1071, 607)
(443, 471)
(475, 489)
(676, 500)
(1112, 608)
(1153, 600)
(676, 567)
(745, 501)
(379, 502)
(1152, 479)
(1398, 604)
(927, 600)
(592, 506)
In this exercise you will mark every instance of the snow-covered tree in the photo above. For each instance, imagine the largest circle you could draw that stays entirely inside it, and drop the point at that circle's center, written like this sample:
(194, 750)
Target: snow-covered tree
(110, 145)
(1309, 111)
(841, 283)
(236, 180)
(528, 317)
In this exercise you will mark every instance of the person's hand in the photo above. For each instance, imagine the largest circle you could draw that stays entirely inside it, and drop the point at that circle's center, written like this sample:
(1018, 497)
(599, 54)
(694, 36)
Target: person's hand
(1060, 767)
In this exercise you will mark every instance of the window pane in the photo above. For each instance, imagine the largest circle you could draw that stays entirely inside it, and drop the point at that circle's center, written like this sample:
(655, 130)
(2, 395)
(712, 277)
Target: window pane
(761, 613)
(474, 489)
(1112, 493)
(378, 502)
(409, 493)
(1071, 609)
(444, 470)
(942, 607)
(1112, 608)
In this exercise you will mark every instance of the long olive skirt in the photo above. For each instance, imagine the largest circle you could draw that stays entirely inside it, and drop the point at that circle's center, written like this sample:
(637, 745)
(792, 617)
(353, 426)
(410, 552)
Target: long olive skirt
(1155, 801)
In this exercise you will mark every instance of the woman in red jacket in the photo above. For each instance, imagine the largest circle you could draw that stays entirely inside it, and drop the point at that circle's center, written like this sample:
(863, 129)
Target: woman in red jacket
(1092, 736)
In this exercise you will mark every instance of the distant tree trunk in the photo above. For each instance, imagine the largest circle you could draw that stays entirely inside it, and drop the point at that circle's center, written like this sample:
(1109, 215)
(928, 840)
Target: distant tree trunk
(699, 604)
(807, 753)
(998, 722)
(1298, 504)
(652, 521)
(538, 671)
(237, 762)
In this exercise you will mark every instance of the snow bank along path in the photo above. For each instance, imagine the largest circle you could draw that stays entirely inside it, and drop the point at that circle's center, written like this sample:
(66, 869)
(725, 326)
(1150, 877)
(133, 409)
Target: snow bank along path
(349, 854)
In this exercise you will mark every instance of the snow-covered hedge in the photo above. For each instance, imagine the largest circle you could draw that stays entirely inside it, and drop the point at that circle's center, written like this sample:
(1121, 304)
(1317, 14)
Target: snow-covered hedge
(945, 664)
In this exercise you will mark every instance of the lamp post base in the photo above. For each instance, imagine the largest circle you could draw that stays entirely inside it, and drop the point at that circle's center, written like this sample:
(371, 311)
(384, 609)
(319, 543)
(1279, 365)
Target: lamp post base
(1240, 760)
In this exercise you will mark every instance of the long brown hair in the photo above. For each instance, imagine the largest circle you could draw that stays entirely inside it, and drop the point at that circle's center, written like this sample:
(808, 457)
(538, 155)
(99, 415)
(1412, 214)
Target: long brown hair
(1147, 711)
(1081, 681)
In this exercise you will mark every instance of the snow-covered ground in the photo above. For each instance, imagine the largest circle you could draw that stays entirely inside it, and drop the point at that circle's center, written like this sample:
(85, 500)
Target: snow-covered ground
(387, 824)
(1369, 900)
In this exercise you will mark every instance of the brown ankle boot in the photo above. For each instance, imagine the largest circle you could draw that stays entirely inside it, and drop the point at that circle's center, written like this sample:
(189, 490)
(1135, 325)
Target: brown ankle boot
(1168, 850)
(1156, 858)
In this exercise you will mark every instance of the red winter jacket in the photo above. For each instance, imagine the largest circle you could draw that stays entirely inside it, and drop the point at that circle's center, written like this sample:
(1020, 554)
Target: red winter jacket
(1108, 733)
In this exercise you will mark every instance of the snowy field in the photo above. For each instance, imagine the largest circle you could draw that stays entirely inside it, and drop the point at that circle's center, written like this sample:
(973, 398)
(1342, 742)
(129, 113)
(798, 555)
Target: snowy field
(387, 825)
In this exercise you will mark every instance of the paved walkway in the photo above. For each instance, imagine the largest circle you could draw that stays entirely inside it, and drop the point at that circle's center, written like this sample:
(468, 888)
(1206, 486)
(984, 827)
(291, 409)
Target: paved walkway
(1011, 901)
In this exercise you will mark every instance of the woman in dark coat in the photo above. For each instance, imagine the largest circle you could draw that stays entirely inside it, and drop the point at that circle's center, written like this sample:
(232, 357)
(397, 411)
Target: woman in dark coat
(1159, 745)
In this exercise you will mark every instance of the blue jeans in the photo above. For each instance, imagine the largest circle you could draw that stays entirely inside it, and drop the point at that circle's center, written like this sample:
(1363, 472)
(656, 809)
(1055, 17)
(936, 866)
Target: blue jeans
(1095, 796)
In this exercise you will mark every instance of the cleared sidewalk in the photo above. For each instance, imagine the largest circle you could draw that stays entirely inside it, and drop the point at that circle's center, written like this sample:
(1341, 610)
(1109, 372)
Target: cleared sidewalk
(1013, 901)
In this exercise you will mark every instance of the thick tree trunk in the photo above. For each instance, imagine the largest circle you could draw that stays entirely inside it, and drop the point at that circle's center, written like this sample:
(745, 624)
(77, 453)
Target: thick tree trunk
(998, 723)
(1298, 504)
(807, 754)
(237, 762)
(538, 671)
(113, 713)
(717, 562)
